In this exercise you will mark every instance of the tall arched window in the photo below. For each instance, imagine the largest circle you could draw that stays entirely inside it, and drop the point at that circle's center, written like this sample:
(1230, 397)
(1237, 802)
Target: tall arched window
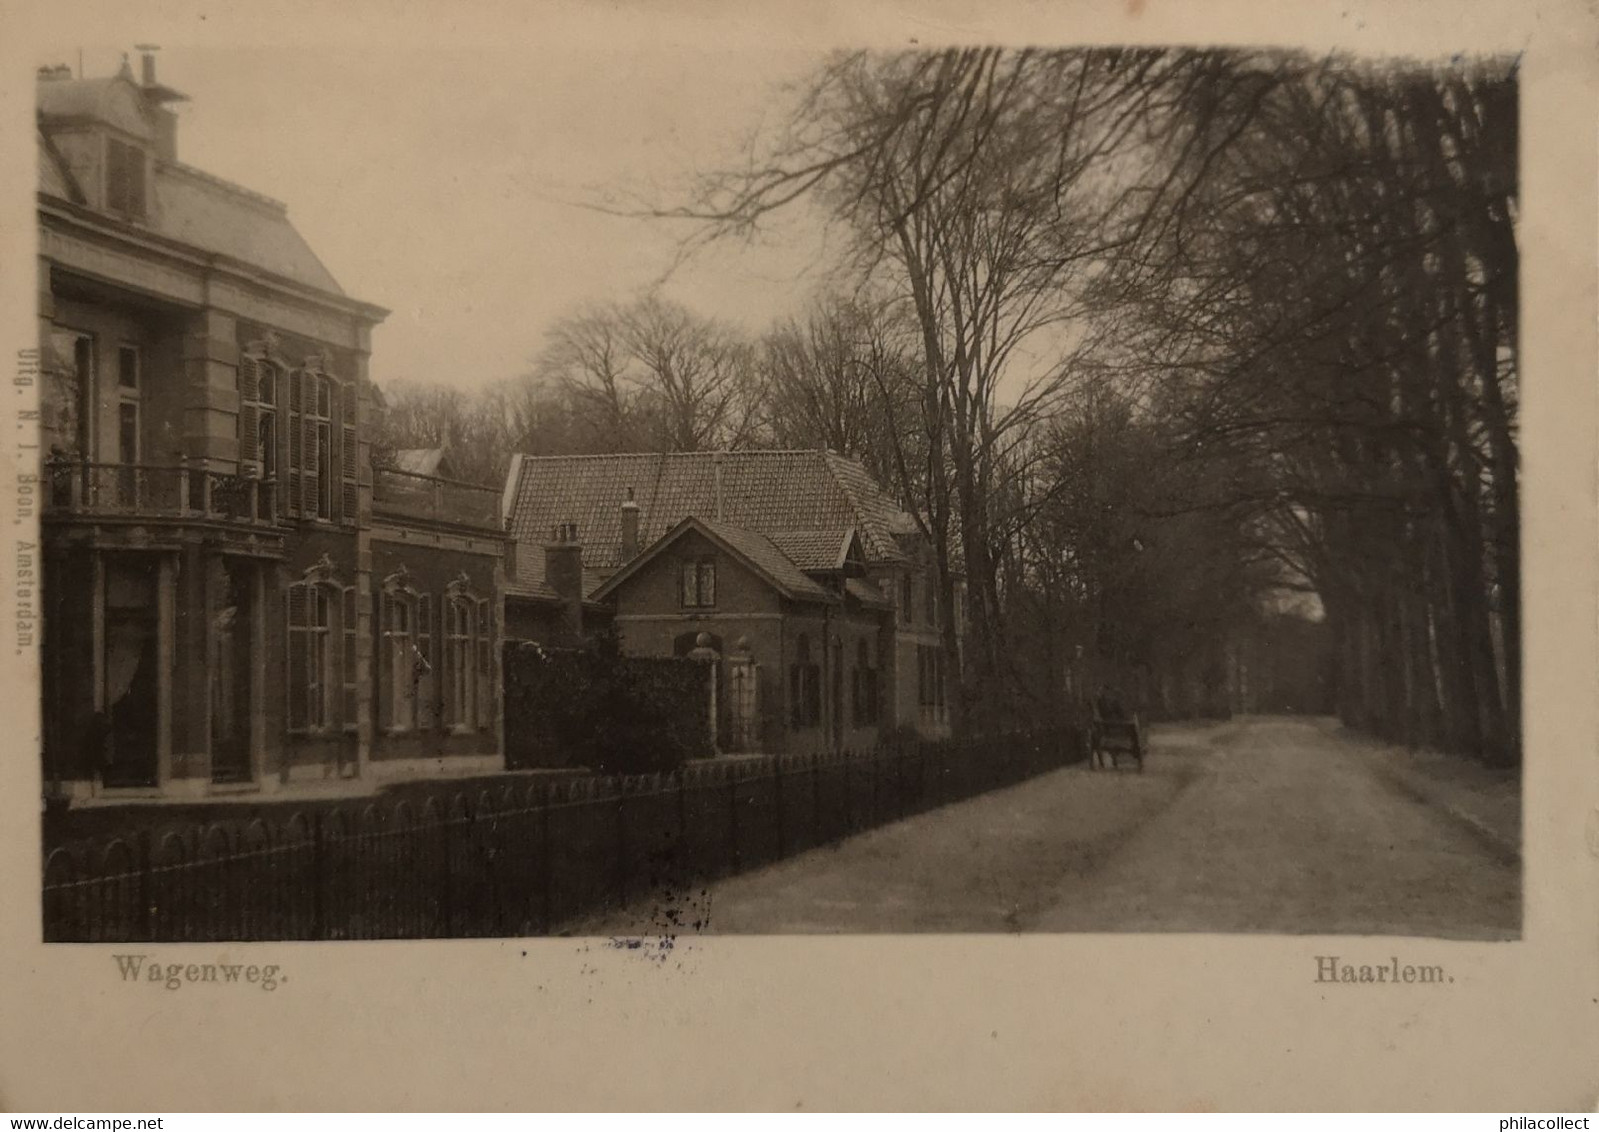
(321, 616)
(468, 658)
(460, 682)
(401, 663)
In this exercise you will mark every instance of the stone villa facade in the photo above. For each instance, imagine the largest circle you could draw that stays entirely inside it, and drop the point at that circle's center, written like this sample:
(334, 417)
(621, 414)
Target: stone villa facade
(236, 599)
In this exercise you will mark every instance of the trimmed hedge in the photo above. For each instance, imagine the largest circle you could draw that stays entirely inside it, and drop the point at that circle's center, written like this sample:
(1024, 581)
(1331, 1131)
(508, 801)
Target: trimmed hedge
(595, 708)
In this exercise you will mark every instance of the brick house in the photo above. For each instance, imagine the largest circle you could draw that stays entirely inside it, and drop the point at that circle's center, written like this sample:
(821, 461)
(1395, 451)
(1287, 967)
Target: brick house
(813, 587)
(235, 599)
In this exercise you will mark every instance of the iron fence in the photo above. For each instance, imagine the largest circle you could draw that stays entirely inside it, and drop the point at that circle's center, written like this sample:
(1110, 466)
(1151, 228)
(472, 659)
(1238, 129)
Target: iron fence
(506, 860)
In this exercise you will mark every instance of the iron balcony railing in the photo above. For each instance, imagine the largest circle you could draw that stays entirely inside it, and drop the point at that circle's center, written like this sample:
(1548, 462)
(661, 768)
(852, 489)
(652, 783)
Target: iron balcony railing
(77, 487)
(418, 496)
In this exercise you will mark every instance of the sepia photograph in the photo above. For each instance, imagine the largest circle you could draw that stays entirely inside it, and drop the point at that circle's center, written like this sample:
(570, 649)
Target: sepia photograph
(979, 489)
(697, 556)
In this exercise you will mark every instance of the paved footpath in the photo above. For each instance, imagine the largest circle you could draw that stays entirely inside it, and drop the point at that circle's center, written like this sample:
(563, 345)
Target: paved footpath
(1263, 825)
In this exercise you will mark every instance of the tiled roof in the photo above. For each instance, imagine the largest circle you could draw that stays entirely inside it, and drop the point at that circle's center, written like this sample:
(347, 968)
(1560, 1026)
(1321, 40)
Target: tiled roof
(814, 550)
(763, 553)
(757, 550)
(773, 493)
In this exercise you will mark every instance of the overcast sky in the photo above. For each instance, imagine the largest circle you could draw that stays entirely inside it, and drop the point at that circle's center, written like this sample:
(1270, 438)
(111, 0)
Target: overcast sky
(440, 181)
(442, 185)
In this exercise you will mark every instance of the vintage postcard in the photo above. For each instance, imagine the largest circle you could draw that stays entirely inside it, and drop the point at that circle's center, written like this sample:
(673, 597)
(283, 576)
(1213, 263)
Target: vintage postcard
(711, 556)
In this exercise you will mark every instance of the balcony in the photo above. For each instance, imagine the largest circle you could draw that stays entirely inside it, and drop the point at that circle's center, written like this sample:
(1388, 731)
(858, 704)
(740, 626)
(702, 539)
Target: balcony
(411, 495)
(75, 488)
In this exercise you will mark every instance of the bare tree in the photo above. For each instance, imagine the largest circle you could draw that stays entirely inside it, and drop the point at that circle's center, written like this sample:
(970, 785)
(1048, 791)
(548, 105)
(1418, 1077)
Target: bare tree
(693, 377)
(976, 185)
(432, 415)
(841, 378)
(1336, 311)
(653, 375)
(586, 356)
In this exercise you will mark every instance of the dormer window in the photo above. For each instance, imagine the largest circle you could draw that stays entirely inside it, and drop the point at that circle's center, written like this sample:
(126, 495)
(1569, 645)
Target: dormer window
(125, 178)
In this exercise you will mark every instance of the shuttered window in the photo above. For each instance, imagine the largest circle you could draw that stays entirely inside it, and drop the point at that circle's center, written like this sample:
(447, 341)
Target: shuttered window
(294, 427)
(318, 448)
(348, 621)
(249, 380)
(485, 668)
(349, 453)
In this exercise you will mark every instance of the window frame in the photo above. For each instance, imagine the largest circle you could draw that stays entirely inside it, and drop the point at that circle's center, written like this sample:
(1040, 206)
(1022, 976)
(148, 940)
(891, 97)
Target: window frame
(399, 681)
(316, 470)
(321, 648)
(467, 650)
(258, 426)
(460, 658)
(697, 583)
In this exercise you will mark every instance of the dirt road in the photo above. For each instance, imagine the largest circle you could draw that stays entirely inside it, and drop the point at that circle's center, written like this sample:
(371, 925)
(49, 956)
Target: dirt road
(1263, 825)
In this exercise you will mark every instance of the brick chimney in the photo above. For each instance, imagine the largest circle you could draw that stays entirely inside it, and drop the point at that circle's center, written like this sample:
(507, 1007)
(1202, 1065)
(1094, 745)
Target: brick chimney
(156, 95)
(629, 528)
(563, 571)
